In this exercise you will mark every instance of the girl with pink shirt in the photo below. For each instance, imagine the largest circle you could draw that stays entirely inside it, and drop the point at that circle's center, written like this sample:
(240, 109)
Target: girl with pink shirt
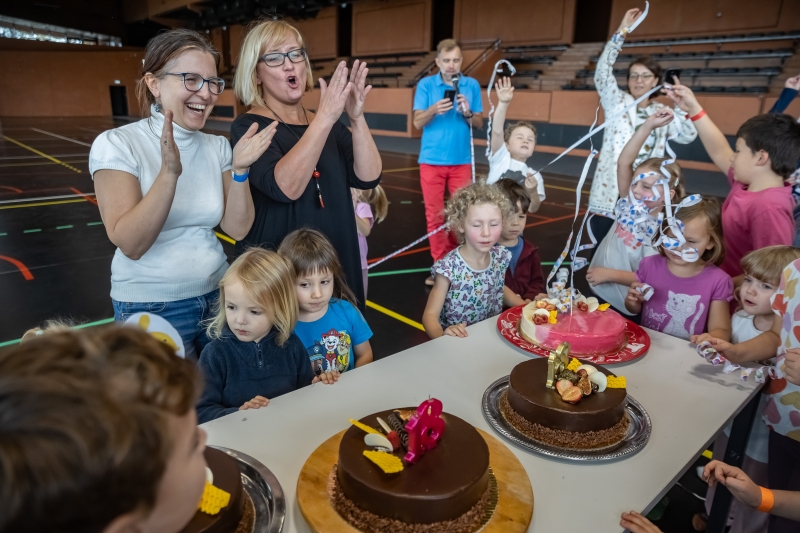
(364, 201)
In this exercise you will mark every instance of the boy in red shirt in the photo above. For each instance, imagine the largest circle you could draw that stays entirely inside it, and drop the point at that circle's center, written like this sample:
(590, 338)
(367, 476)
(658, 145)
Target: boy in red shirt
(524, 278)
(758, 210)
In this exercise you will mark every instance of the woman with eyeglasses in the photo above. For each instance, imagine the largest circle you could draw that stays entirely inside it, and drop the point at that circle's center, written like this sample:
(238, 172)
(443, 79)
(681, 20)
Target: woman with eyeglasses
(305, 176)
(644, 74)
(163, 186)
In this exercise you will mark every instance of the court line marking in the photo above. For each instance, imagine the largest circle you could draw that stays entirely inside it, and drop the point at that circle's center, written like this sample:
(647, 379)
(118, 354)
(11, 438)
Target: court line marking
(35, 156)
(409, 252)
(57, 136)
(38, 204)
(396, 272)
(20, 266)
(398, 316)
(35, 151)
(37, 164)
(86, 196)
(12, 189)
(42, 198)
(80, 326)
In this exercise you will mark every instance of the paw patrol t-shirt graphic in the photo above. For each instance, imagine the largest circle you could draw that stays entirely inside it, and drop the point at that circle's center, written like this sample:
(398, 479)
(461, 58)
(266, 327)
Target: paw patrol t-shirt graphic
(331, 339)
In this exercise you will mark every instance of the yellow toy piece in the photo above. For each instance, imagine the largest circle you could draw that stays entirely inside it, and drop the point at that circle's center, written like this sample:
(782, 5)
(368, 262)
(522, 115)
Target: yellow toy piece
(364, 427)
(616, 382)
(553, 315)
(213, 500)
(603, 307)
(573, 365)
(390, 464)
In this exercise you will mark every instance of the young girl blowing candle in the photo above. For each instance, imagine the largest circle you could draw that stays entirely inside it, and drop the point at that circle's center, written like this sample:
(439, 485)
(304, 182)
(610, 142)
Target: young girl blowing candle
(468, 284)
(255, 356)
(332, 329)
(690, 294)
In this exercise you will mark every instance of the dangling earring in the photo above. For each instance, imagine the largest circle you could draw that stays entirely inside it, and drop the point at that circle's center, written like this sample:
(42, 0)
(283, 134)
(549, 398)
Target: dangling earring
(158, 106)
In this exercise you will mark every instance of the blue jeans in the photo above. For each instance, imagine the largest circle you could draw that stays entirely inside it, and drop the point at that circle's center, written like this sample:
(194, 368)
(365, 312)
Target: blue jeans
(186, 316)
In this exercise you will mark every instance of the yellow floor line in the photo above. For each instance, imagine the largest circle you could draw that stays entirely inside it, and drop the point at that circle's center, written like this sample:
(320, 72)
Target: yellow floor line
(40, 163)
(35, 151)
(563, 188)
(225, 237)
(401, 318)
(37, 204)
(399, 170)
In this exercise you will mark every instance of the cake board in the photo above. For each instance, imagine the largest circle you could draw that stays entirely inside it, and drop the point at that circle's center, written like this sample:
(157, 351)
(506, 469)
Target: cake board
(512, 514)
(637, 345)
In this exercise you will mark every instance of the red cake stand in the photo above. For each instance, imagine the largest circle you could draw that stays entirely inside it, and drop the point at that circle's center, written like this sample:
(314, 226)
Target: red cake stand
(638, 340)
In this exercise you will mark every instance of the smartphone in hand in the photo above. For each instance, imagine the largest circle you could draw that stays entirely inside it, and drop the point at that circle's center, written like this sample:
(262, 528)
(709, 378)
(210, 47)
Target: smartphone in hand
(670, 74)
(451, 95)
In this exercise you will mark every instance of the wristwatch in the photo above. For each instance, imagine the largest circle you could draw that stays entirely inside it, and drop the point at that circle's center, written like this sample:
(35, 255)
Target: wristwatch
(471, 114)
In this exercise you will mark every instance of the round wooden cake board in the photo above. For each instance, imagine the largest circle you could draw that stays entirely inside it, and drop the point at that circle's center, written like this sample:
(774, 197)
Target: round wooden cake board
(514, 504)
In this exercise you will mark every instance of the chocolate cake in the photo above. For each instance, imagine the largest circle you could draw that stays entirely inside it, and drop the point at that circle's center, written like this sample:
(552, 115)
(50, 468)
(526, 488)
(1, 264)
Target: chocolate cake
(236, 517)
(597, 420)
(450, 483)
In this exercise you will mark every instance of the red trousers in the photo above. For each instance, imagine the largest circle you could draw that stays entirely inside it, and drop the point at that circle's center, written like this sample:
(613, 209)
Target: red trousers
(434, 179)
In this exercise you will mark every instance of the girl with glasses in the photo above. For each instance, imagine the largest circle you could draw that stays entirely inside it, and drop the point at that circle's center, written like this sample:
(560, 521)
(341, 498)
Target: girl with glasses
(304, 178)
(643, 74)
(163, 186)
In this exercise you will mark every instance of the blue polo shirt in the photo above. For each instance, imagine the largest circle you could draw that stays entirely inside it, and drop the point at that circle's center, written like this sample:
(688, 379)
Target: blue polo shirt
(445, 139)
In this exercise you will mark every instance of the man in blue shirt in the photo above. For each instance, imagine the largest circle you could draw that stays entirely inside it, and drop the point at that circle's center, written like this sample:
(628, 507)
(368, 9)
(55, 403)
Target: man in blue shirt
(444, 156)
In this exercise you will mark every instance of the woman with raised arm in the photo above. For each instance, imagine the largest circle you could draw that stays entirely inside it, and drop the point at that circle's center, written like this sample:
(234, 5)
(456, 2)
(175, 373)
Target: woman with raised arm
(163, 186)
(304, 178)
(644, 74)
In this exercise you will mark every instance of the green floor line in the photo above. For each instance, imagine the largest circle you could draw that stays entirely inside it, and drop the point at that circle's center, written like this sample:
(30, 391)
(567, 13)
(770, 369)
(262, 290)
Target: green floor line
(64, 227)
(395, 272)
(37, 230)
(94, 223)
(551, 263)
(3, 234)
(81, 326)
(405, 201)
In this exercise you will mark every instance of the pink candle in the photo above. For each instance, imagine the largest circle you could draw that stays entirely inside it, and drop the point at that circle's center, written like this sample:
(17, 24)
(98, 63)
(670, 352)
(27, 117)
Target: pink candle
(425, 428)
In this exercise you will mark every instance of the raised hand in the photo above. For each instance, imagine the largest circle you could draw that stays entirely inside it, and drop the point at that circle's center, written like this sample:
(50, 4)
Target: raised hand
(660, 118)
(793, 83)
(334, 95)
(358, 94)
(255, 403)
(170, 155)
(684, 98)
(630, 17)
(505, 91)
(531, 184)
(251, 146)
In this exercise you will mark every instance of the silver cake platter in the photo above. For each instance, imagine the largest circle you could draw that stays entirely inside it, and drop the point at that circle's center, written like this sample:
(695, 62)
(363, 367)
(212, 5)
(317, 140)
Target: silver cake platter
(638, 431)
(263, 488)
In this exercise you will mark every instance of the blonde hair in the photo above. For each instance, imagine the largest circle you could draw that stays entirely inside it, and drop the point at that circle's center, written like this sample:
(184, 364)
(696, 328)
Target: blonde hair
(475, 194)
(675, 182)
(161, 50)
(57, 325)
(446, 45)
(310, 252)
(711, 210)
(376, 198)
(263, 36)
(767, 264)
(268, 280)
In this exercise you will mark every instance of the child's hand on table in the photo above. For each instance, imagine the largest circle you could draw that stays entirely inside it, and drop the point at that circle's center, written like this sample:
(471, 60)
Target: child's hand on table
(255, 403)
(636, 523)
(328, 378)
(457, 330)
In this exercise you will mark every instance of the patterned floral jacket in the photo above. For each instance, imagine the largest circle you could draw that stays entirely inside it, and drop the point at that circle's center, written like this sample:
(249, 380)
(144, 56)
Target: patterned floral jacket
(605, 192)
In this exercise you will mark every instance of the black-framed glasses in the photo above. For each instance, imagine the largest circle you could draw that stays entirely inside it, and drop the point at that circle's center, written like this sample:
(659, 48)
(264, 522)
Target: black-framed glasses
(276, 59)
(195, 82)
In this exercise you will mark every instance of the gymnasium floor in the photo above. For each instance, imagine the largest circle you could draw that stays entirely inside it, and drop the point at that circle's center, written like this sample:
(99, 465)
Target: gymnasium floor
(55, 257)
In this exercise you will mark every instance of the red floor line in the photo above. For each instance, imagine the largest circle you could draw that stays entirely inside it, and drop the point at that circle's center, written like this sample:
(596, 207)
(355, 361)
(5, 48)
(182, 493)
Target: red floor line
(565, 217)
(86, 196)
(399, 188)
(409, 252)
(14, 189)
(22, 268)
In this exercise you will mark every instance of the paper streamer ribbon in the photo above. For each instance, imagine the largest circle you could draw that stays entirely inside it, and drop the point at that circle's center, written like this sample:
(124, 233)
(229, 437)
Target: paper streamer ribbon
(491, 104)
(404, 248)
(640, 19)
(707, 352)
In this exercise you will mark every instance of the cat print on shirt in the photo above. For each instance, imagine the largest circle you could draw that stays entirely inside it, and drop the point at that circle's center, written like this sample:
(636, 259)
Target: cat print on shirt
(681, 307)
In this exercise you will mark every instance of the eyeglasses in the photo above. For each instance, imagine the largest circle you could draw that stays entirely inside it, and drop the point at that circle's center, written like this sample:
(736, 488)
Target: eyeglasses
(195, 82)
(644, 77)
(276, 59)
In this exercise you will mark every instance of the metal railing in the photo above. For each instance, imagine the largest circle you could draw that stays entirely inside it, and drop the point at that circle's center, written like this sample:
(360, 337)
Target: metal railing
(481, 58)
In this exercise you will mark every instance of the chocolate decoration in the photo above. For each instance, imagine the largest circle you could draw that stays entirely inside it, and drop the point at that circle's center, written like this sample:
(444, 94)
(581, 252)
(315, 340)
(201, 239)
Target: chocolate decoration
(399, 427)
(227, 478)
(446, 483)
(528, 396)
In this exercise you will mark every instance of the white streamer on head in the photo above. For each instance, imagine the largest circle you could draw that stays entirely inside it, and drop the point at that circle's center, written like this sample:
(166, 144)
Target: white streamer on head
(513, 71)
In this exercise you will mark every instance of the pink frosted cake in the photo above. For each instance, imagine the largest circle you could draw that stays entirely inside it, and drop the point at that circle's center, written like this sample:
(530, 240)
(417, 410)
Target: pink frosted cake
(590, 329)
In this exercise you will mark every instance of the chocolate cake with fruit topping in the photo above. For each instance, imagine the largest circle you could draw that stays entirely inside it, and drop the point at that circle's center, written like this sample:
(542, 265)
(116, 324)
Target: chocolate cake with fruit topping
(448, 489)
(236, 517)
(566, 416)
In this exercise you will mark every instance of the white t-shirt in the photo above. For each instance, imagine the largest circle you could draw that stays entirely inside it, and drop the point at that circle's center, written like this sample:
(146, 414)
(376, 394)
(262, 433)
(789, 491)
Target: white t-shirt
(187, 259)
(500, 162)
(619, 250)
